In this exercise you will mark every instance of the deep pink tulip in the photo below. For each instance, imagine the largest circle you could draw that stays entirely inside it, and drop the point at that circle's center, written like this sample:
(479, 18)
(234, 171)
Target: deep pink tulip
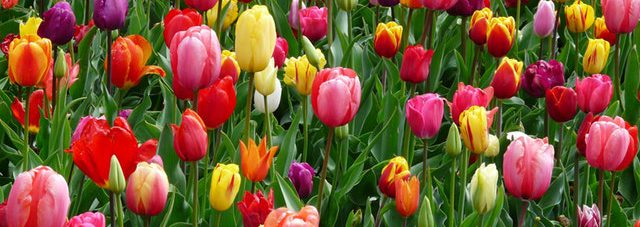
(527, 167)
(87, 219)
(545, 19)
(439, 4)
(195, 60)
(38, 197)
(201, 5)
(280, 52)
(415, 64)
(190, 138)
(313, 22)
(424, 115)
(611, 144)
(621, 16)
(594, 93)
(467, 96)
(335, 96)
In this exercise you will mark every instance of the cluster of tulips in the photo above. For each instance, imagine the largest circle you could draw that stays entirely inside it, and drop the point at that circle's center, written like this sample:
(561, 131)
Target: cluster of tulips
(44, 62)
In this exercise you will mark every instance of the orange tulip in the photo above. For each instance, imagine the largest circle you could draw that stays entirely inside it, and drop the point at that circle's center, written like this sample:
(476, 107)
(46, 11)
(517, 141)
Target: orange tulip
(256, 161)
(307, 216)
(500, 36)
(407, 196)
(30, 60)
(479, 26)
(129, 55)
(387, 39)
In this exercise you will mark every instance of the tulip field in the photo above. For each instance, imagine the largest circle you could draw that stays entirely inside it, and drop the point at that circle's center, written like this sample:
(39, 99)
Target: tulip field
(319, 113)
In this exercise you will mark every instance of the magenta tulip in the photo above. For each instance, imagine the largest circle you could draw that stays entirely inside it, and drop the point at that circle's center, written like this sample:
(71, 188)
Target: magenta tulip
(542, 76)
(439, 4)
(465, 7)
(335, 96)
(313, 22)
(467, 96)
(611, 144)
(424, 115)
(589, 216)
(415, 64)
(87, 219)
(621, 16)
(201, 5)
(545, 19)
(527, 167)
(280, 52)
(594, 93)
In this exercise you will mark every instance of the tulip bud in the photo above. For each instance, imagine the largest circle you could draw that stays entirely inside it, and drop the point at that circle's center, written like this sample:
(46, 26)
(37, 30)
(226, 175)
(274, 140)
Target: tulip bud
(596, 55)
(147, 190)
(116, 183)
(342, 132)
(425, 215)
(60, 69)
(225, 184)
(479, 26)
(311, 53)
(265, 80)
(494, 147)
(580, 16)
(484, 188)
(347, 5)
(545, 19)
(387, 38)
(453, 147)
(589, 216)
(355, 218)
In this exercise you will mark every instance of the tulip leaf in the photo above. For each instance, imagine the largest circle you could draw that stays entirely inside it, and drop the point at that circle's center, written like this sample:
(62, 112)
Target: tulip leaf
(554, 194)
(289, 194)
(288, 151)
(494, 216)
(630, 84)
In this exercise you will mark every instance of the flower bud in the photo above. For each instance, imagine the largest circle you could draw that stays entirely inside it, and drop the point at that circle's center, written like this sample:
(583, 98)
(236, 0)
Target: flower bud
(425, 215)
(453, 145)
(116, 183)
(310, 51)
(60, 69)
(147, 190)
(265, 80)
(596, 55)
(342, 132)
(494, 147)
(580, 16)
(347, 5)
(484, 188)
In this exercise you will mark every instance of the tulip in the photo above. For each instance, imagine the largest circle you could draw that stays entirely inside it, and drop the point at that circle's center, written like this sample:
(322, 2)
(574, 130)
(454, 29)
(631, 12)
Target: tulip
(116, 182)
(424, 115)
(415, 64)
(110, 14)
(179, 20)
(500, 36)
(195, 59)
(282, 217)
(412, 4)
(256, 161)
(38, 197)
(407, 196)
(229, 17)
(467, 96)
(69, 76)
(265, 80)
(129, 56)
(255, 38)
(313, 22)
(229, 66)
(58, 24)
(601, 31)
(494, 147)
(386, 41)
(594, 93)
(255, 208)
(545, 19)
(514, 3)
(301, 175)
(585, 126)
(216, 103)
(190, 138)
(542, 76)
(562, 103)
(30, 27)
(4, 46)
(80, 32)
(484, 188)
(388, 3)
(474, 128)
(621, 16)
(348, 5)
(299, 72)
(273, 100)
(453, 146)
(201, 5)
(439, 4)
(87, 219)
(36, 107)
(97, 142)
(30, 60)
(395, 170)
(225, 183)
(280, 51)
(527, 167)
(147, 190)
(480, 25)
(335, 96)
(595, 57)
(579, 16)
(294, 15)
(589, 216)
(465, 7)
(8, 4)
(611, 144)
(506, 79)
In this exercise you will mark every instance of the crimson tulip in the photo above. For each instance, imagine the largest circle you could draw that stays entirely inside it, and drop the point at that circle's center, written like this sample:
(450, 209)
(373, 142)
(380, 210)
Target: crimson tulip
(583, 130)
(201, 5)
(542, 76)
(36, 107)
(621, 16)
(467, 96)
(527, 167)
(4, 46)
(415, 64)
(190, 138)
(216, 103)
(424, 115)
(179, 20)
(562, 103)
(594, 93)
(611, 144)
(255, 208)
(335, 96)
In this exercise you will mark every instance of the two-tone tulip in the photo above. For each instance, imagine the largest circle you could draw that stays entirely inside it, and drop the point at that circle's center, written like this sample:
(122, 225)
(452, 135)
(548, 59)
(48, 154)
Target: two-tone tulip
(230, 15)
(580, 16)
(30, 60)
(424, 115)
(484, 188)
(467, 96)
(335, 96)
(36, 107)
(179, 20)
(594, 93)
(542, 76)
(301, 176)
(255, 208)
(407, 196)
(474, 128)
(479, 26)
(386, 41)
(527, 167)
(589, 216)
(190, 138)
(229, 66)
(225, 184)
(217, 102)
(128, 58)
(396, 169)
(500, 36)
(545, 19)
(58, 23)
(561, 103)
(300, 73)
(415, 64)
(611, 144)
(30, 27)
(255, 38)
(256, 160)
(621, 16)
(506, 79)
(283, 217)
(600, 31)
(110, 14)
(147, 189)
(313, 22)
(201, 5)
(596, 55)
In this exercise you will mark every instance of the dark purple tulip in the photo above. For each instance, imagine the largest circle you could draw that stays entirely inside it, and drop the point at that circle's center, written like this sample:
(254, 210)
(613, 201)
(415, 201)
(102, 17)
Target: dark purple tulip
(388, 3)
(466, 7)
(301, 175)
(541, 76)
(110, 14)
(58, 23)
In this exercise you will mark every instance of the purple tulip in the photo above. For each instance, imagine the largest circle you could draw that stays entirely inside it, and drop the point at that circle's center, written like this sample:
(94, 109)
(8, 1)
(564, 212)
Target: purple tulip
(58, 23)
(110, 14)
(388, 3)
(545, 19)
(589, 216)
(541, 76)
(466, 7)
(301, 175)
(125, 113)
(293, 13)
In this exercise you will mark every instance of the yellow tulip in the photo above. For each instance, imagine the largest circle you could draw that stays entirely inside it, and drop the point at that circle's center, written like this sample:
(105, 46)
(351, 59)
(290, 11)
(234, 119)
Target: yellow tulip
(225, 184)
(299, 72)
(474, 129)
(30, 27)
(494, 147)
(595, 58)
(265, 80)
(484, 188)
(30, 60)
(255, 38)
(580, 16)
(229, 17)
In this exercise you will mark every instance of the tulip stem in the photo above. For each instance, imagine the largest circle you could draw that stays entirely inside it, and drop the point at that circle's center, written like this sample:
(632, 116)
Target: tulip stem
(25, 155)
(329, 32)
(546, 122)
(474, 64)
(518, 6)
(426, 32)
(611, 200)
(194, 173)
(109, 43)
(247, 122)
(465, 163)
(112, 208)
(119, 207)
(523, 211)
(617, 76)
(87, 12)
(147, 221)
(576, 181)
(576, 39)
(404, 224)
(325, 162)
(559, 151)
(267, 122)
(305, 100)
(499, 126)
(379, 214)
(219, 217)
(452, 194)
(350, 30)
(406, 136)
(600, 189)
(406, 32)
(463, 39)
(426, 170)
(218, 24)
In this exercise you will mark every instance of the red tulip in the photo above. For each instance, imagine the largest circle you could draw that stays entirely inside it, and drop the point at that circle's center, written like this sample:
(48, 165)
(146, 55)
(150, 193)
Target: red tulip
(621, 16)
(179, 20)
(583, 130)
(4, 46)
(280, 52)
(36, 106)
(506, 79)
(201, 5)
(600, 31)
(190, 138)
(467, 96)
(229, 66)
(8, 4)
(611, 144)
(527, 167)
(255, 208)
(415, 64)
(424, 115)
(335, 96)
(216, 103)
(594, 93)
(562, 103)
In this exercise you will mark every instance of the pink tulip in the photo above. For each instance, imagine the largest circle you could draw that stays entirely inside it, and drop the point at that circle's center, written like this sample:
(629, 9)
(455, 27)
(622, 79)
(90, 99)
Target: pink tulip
(195, 60)
(38, 197)
(147, 189)
(87, 219)
(313, 22)
(545, 18)
(594, 93)
(335, 96)
(280, 52)
(467, 96)
(439, 4)
(527, 167)
(611, 144)
(424, 115)
(293, 13)
(621, 16)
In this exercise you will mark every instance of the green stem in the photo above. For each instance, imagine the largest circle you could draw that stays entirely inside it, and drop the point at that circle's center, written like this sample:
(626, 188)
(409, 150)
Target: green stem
(350, 30)
(600, 189)
(305, 100)
(499, 125)
(267, 123)
(559, 150)
(406, 136)
(112, 208)
(379, 214)
(611, 199)
(586, 184)
(109, 43)
(71, 52)
(329, 32)
(576, 39)
(25, 155)
(463, 38)
(452, 194)
(147, 221)
(325, 162)
(194, 202)
(218, 25)
(518, 6)
(546, 122)
(465, 164)
(576, 181)
(218, 219)
(247, 122)
(87, 11)
(523, 211)
(406, 32)
(617, 76)
(476, 55)
(426, 171)
(120, 212)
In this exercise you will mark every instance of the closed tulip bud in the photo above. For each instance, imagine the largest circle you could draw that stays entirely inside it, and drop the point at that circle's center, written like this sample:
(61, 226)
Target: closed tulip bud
(474, 125)
(8, 4)
(388, 3)
(494, 147)
(230, 15)
(600, 31)
(545, 19)
(116, 183)
(265, 80)
(415, 64)
(313, 22)
(273, 100)
(412, 4)
(60, 68)
(256, 161)
(453, 147)
(527, 167)
(484, 188)
(179, 20)
(280, 52)
(506, 80)
(355, 218)
(301, 176)
(300, 73)
(439, 4)
(58, 24)
(407, 196)
(465, 7)
(387, 39)
(589, 216)
(30, 27)
(342, 132)
(479, 26)
(30, 60)
(315, 56)
(396, 169)
(196, 44)
(283, 217)
(596, 55)
(129, 56)
(225, 184)
(594, 93)
(424, 115)
(255, 208)
(347, 5)
(500, 36)
(147, 190)
(425, 215)
(580, 16)
(467, 96)
(38, 197)
(110, 14)
(190, 138)
(216, 103)
(542, 76)
(87, 219)
(611, 144)
(201, 5)
(562, 103)
(229, 66)
(621, 15)
(335, 96)
(255, 38)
